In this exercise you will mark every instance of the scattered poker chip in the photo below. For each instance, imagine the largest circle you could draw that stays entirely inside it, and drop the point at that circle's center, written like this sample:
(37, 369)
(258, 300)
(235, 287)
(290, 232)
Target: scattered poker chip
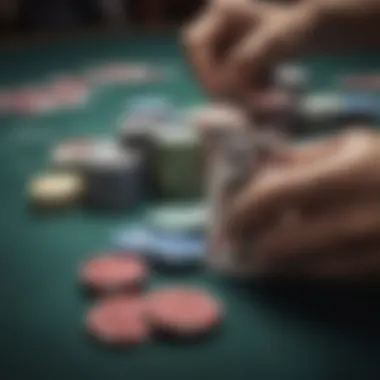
(68, 91)
(31, 100)
(113, 273)
(55, 190)
(150, 110)
(183, 312)
(118, 321)
(181, 217)
(136, 239)
(176, 249)
(9, 101)
(116, 73)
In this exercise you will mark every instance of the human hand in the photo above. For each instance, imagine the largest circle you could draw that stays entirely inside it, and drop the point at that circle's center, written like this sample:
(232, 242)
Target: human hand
(331, 187)
(234, 43)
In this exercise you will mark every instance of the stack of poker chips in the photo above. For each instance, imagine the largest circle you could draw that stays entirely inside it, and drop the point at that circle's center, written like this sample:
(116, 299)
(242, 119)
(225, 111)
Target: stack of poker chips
(230, 170)
(114, 180)
(112, 177)
(178, 162)
(137, 135)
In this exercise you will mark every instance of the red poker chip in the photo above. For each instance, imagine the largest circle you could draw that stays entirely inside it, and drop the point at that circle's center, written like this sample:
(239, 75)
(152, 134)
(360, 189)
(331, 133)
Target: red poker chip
(118, 321)
(113, 273)
(183, 312)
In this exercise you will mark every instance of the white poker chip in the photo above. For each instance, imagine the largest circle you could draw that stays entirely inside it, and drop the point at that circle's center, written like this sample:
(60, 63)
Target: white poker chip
(177, 249)
(291, 76)
(190, 218)
(59, 189)
(168, 136)
(79, 154)
(135, 239)
(321, 105)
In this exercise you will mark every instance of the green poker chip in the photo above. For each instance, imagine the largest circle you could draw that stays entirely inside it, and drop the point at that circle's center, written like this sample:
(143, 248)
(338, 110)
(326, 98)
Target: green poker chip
(178, 163)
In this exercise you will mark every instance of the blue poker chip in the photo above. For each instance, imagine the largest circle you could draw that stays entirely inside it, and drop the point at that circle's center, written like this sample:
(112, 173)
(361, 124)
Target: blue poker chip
(177, 249)
(156, 108)
(361, 103)
(133, 239)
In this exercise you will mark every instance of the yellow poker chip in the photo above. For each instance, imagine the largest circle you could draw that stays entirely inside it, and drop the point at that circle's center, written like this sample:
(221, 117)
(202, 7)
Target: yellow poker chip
(55, 190)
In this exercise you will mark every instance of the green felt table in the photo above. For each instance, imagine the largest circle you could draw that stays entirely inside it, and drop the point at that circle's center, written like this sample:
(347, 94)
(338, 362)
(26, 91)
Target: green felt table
(272, 330)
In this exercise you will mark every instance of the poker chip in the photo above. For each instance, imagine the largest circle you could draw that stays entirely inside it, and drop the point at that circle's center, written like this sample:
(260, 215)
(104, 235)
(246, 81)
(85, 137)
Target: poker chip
(237, 161)
(115, 73)
(151, 109)
(178, 162)
(183, 312)
(68, 91)
(83, 153)
(56, 190)
(176, 249)
(135, 238)
(179, 217)
(114, 178)
(118, 321)
(113, 273)
(73, 153)
(138, 136)
(31, 100)
(292, 77)
(360, 107)
(321, 108)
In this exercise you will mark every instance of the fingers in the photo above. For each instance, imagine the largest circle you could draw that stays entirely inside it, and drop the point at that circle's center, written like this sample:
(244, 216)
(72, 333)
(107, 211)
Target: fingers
(289, 242)
(250, 60)
(216, 30)
(288, 187)
(200, 42)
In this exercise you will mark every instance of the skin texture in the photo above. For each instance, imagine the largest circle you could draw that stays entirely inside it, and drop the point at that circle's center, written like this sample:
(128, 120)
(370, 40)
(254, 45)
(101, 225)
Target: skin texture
(316, 212)
(331, 190)
(233, 44)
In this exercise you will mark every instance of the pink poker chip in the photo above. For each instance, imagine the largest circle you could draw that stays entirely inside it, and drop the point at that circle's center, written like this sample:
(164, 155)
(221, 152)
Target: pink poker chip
(118, 321)
(113, 273)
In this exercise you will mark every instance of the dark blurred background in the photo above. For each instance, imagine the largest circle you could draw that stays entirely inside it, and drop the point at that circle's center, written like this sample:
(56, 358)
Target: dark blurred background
(26, 17)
